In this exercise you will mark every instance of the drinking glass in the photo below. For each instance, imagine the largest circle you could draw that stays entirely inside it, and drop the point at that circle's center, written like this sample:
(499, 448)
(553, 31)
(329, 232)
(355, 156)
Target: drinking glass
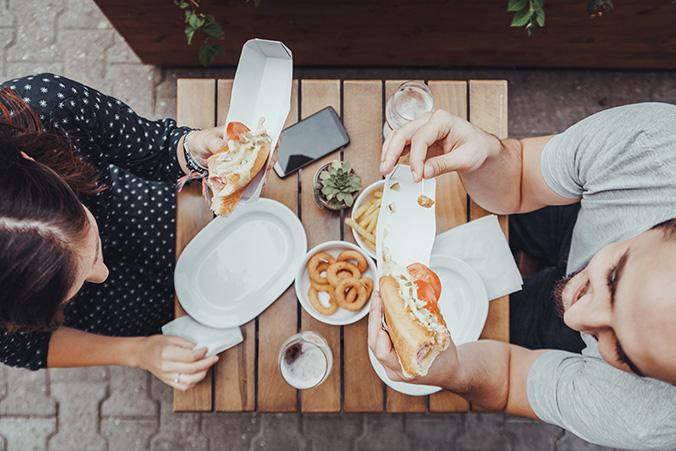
(410, 101)
(305, 360)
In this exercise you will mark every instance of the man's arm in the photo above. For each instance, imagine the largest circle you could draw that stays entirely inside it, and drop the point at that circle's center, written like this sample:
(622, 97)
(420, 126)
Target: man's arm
(502, 176)
(167, 357)
(489, 374)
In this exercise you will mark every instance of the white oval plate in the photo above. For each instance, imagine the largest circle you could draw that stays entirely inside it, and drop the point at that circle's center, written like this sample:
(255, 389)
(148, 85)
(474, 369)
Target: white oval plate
(238, 265)
(366, 192)
(464, 306)
(342, 316)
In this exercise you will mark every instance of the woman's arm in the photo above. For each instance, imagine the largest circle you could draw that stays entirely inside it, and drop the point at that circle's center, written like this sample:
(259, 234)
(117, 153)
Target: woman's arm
(165, 356)
(503, 176)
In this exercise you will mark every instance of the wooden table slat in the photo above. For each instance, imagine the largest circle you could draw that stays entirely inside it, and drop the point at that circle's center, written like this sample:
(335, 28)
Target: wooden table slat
(363, 118)
(488, 110)
(451, 208)
(320, 225)
(195, 107)
(280, 320)
(235, 372)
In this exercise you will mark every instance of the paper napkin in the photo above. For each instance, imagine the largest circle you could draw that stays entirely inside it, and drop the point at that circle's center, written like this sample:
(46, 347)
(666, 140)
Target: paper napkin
(216, 340)
(482, 245)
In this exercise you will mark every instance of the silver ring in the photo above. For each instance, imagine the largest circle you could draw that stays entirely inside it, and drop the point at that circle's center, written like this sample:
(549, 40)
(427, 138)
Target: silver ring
(177, 379)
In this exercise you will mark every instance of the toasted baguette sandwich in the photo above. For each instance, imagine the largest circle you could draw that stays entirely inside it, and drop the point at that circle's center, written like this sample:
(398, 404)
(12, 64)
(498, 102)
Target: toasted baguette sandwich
(232, 169)
(416, 327)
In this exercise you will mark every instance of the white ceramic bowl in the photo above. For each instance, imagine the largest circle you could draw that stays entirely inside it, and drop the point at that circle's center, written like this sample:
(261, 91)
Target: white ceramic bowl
(302, 284)
(363, 196)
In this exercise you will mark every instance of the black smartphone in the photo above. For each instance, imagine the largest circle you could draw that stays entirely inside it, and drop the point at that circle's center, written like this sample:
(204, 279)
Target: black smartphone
(309, 140)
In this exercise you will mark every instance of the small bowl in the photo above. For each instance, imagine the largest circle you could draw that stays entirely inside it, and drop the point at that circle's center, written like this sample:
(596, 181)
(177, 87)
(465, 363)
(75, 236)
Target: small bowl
(342, 316)
(363, 196)
(319, 200)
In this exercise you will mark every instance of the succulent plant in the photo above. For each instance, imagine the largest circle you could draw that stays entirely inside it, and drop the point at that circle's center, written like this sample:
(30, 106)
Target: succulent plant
(337, 184)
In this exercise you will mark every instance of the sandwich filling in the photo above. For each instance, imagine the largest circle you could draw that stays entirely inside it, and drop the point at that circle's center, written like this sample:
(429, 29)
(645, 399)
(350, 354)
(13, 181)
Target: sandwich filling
(418, 307)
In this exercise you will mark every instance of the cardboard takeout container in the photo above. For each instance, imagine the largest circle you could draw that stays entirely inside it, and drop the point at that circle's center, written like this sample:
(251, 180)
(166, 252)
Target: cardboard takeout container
(407, 233)
(261, 89)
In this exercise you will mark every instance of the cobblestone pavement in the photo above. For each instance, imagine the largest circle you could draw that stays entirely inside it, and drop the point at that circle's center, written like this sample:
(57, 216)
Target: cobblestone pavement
(126, 409)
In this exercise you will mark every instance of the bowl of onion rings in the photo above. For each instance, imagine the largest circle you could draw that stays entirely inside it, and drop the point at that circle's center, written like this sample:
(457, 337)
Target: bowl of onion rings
(364, 217)
(335, 283)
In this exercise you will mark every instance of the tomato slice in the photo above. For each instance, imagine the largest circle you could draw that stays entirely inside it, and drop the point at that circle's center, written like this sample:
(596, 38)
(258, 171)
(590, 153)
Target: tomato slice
(422, 272)
(234, 129)
(427, 295)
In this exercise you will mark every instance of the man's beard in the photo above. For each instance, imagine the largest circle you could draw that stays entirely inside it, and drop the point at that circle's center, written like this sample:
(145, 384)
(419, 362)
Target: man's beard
(558, 293)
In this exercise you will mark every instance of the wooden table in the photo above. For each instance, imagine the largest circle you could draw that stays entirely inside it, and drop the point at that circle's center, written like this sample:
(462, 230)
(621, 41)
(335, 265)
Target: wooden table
(246, 378)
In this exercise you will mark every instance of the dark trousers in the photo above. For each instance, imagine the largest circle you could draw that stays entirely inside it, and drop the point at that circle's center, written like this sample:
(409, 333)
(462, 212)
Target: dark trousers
(543, 235)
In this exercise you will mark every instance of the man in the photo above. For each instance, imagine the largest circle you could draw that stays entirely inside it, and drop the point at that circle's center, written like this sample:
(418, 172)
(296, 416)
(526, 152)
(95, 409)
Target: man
(620, 167)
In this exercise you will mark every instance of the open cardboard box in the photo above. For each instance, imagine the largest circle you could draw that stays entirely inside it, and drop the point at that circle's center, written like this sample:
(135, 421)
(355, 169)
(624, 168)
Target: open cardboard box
(261, 89)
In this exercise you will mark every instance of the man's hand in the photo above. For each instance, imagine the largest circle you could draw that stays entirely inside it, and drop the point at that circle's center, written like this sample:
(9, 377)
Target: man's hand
(439, 142)
(444, 368)
(169, 358)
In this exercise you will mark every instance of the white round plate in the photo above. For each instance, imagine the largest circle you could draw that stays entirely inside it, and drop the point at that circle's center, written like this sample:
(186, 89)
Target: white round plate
(342, 316)
(464, 306)
(365, 193)
(238, 265)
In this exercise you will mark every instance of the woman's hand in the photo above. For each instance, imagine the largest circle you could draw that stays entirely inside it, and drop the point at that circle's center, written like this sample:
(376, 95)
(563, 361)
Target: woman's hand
(444, 368)
(204, 143)
(173, 360)
(439, 142)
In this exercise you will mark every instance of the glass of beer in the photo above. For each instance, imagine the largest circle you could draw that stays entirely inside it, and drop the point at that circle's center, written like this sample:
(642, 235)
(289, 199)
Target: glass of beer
(305, 360)
(410, 101)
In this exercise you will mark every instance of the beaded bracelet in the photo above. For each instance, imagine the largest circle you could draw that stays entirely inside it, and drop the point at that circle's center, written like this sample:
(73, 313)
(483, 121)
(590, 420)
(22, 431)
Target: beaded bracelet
(192, 164)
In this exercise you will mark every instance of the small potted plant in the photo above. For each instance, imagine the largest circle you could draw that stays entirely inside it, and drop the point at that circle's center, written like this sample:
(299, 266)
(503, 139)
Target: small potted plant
(335, 185)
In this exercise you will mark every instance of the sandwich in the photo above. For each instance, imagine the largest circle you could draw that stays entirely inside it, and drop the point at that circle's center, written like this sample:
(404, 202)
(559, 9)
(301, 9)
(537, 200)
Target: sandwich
(410, 303)
(233, 168)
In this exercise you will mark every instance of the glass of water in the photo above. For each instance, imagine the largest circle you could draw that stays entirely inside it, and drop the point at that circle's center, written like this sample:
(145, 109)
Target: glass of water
(410, 101)
(305, 360)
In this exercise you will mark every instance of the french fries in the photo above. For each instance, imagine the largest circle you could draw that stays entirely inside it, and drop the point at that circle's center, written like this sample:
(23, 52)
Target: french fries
(364, 219)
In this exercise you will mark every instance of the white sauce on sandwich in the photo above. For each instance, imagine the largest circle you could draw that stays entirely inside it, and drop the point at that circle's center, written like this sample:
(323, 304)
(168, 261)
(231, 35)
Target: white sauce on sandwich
(409, 292)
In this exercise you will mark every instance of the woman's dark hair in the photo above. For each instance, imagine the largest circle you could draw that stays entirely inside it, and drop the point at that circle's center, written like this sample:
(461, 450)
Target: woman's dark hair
(41, 218)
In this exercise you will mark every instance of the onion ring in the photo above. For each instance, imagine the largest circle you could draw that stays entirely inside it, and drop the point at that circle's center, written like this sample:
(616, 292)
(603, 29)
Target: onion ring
(362, 264)
(313, 264)
(352, 293)
(340, 294)
(335, 268)
(321, 286)
(313, 296)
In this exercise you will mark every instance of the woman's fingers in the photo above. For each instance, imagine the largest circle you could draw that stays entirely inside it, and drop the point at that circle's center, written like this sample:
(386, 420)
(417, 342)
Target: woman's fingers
(191, 379)
(178, 341)
(379, 340)
(189, 368)
(180, 354)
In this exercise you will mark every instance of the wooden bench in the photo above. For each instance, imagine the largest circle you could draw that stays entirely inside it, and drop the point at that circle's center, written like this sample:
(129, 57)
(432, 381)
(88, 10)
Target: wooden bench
(247, 378)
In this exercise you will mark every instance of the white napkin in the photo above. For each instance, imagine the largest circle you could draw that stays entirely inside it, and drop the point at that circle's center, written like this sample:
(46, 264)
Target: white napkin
(216, 340)
(482, 245)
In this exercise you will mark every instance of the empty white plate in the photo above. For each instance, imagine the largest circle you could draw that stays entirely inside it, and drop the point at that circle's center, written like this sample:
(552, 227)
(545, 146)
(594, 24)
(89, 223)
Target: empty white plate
(464, 306)
(238, 265)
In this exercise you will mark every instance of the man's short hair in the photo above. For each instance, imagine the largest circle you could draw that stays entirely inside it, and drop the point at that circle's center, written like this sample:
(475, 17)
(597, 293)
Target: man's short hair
(668, 228)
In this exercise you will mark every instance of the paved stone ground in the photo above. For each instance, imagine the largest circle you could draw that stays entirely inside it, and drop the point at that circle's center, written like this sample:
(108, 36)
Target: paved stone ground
(126, 409)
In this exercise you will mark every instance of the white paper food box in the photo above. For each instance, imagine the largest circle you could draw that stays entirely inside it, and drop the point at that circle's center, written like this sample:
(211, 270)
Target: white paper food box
(261, 89)
(405, 229)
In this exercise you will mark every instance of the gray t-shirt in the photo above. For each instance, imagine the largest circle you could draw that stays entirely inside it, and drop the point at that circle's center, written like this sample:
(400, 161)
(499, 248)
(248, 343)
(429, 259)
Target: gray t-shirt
(622, 164)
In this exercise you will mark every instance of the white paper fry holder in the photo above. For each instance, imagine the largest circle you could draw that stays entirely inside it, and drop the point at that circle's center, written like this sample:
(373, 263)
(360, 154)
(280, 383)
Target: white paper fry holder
(406, 229)
(261, 90)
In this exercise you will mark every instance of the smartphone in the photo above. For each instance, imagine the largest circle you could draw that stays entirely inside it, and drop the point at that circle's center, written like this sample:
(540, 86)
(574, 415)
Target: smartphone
(309, 140)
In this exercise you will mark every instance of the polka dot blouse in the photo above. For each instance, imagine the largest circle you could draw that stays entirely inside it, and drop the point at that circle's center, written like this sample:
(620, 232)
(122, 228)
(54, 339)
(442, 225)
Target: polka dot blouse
(136, 214)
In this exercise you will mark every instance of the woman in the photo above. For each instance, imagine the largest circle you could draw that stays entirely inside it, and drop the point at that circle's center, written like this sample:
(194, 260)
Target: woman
(87, 223)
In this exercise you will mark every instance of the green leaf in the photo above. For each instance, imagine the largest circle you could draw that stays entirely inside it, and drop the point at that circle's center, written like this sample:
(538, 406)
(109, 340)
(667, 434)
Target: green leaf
(521, 18)
(540, 17)
(516, 5)
(349, 200)
(189, 33)
(181, 4)
(208, 52)
(195, 21)
(212, 28)
(536, 4)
